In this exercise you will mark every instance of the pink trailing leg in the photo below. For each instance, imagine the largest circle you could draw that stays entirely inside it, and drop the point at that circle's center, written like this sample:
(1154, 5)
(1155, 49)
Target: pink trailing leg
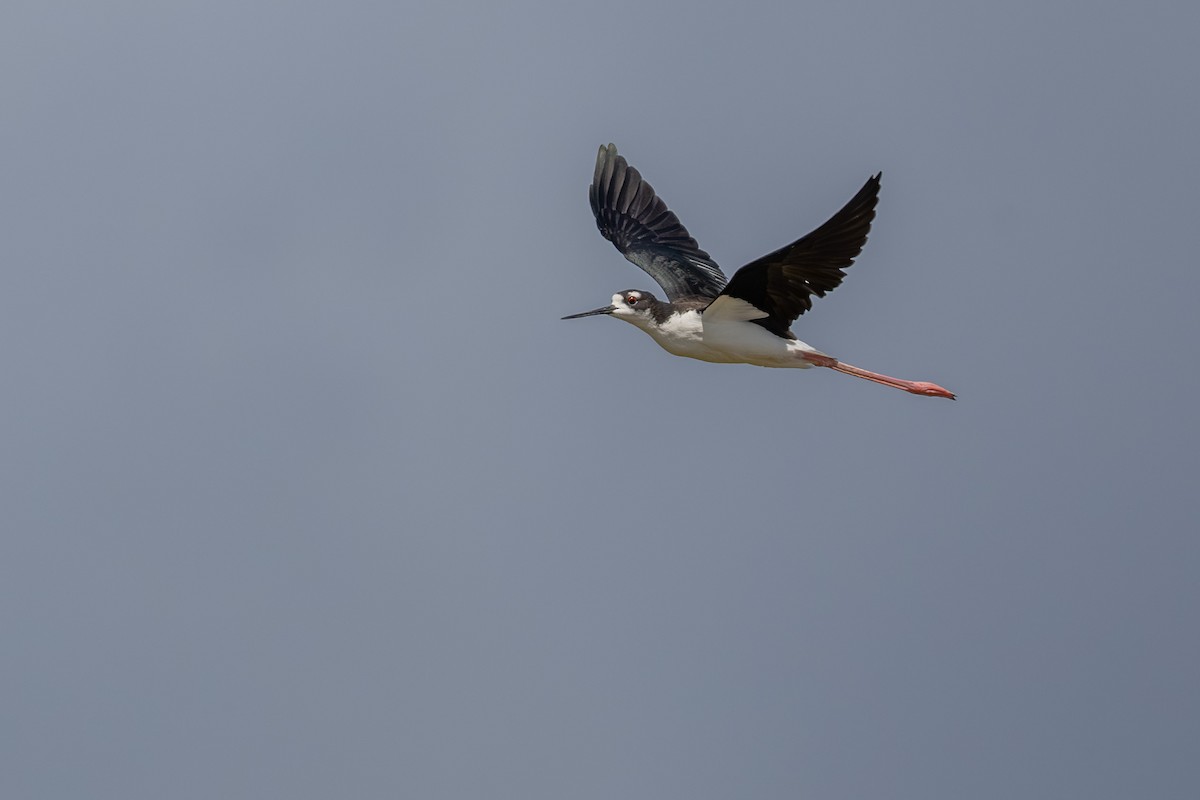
(913, 387)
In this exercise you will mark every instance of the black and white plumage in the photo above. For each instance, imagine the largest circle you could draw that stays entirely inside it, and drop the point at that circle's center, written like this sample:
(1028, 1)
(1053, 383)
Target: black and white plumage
(746, 319)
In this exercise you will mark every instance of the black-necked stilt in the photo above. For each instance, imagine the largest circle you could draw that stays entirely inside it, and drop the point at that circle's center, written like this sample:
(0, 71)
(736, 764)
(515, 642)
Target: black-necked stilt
(742, 321)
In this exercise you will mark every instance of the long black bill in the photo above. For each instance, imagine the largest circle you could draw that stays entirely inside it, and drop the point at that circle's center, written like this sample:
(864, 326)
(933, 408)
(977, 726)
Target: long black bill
(593, 312)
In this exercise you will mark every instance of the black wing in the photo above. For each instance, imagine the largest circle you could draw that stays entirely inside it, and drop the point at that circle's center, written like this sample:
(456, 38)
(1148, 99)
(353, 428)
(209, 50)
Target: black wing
(631, 216)
(782, 283)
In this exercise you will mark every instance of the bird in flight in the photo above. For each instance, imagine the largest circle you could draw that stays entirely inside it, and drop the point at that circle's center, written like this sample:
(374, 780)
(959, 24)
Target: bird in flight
(745, 320)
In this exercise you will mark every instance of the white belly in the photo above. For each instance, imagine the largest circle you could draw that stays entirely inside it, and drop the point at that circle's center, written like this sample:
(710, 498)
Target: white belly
(728, 342)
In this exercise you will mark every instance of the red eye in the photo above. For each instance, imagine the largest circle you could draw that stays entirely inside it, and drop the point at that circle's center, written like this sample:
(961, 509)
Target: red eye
(632, 299)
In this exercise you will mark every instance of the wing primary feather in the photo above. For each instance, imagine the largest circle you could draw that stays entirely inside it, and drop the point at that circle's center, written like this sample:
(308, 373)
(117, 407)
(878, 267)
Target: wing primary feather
(782, 283)
(645, 231)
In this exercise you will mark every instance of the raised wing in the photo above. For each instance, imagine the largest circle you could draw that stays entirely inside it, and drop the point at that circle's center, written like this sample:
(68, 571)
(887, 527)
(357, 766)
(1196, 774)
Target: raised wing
(631, 216)
(780, 285)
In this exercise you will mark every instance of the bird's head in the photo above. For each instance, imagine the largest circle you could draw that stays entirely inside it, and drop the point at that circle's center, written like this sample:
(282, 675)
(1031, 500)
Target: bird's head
(631, 305)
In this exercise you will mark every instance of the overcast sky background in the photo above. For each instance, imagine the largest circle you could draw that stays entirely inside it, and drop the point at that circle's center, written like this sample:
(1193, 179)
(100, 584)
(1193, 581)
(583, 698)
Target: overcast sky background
(308, 493)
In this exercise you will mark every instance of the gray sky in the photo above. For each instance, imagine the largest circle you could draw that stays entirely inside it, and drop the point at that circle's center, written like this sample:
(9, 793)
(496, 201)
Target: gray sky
(308, 492)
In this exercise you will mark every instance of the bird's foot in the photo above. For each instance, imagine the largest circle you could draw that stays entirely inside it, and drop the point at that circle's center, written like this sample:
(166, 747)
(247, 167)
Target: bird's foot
(929, 390)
